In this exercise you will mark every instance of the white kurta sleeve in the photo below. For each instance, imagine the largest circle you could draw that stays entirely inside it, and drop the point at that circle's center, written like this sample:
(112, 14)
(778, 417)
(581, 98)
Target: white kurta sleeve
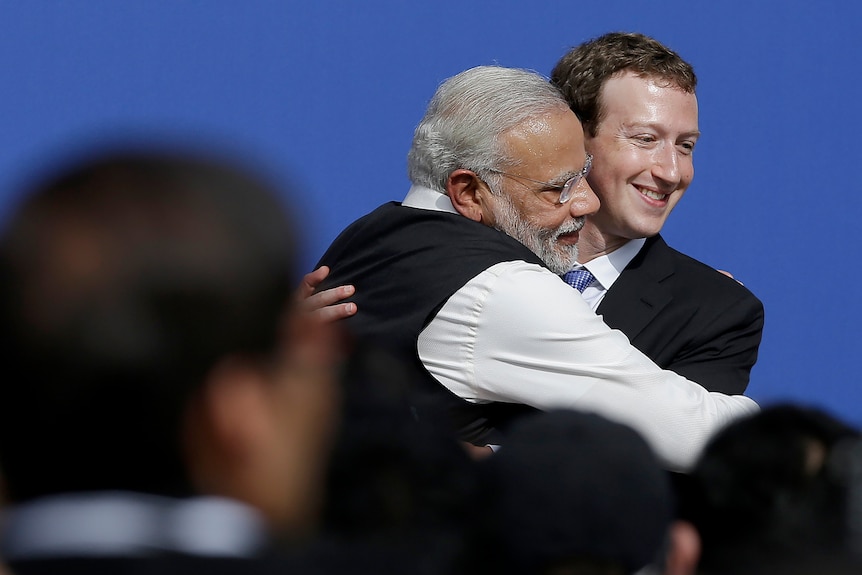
(516, 333)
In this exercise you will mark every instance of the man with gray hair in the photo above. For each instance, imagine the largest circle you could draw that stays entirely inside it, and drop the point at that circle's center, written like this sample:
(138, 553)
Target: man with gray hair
(461, 277)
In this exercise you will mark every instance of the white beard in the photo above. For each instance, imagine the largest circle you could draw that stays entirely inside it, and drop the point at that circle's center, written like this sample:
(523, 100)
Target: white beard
(543, 242)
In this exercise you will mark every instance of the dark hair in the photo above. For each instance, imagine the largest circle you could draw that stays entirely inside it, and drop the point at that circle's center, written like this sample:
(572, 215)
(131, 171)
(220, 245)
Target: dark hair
(766, 488)
(123, 280)
(582, 72)
(399, 485)
(570, 492)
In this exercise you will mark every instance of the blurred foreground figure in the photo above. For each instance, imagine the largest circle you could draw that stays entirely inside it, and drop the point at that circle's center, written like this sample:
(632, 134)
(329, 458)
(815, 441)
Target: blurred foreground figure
(161, 410)
(779, 492)
(400, 488)
(571, 493)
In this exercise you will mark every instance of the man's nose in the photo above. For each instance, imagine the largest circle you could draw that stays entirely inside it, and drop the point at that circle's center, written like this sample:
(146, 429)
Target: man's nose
(584, 202)
(666, 165)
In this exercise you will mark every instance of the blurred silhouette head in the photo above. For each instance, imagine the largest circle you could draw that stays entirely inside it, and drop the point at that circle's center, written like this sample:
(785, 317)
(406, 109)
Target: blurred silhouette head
(776, 488)
(573, 492)
(133, 287)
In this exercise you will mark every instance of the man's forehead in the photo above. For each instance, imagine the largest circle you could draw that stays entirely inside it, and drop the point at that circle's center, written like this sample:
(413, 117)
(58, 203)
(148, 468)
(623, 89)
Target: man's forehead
(661, 80)
(534, 125)
(549, 149)
(642, 101)
(546, 128)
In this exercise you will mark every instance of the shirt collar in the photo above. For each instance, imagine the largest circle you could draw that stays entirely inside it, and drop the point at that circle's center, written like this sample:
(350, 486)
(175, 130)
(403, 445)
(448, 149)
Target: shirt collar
(428, 199)
(608, 267)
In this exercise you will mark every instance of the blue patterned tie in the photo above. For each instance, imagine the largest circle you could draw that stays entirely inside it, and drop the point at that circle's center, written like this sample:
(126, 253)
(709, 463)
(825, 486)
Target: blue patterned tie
(579, 279)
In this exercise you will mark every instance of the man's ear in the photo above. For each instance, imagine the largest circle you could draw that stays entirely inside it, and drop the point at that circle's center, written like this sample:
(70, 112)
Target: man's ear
(464, 190)
(224, 425)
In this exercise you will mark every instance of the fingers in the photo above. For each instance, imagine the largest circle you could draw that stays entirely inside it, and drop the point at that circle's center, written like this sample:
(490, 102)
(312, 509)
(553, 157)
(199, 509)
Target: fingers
(335, 312)
(328, 297)
(310, 281)
(324, 306)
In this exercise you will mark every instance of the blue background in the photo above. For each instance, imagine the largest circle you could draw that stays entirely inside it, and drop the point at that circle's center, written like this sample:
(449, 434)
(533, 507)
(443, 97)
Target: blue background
(324, 96)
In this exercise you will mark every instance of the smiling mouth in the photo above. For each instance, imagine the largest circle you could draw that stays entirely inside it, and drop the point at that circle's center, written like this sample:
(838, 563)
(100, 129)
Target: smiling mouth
(652, 194)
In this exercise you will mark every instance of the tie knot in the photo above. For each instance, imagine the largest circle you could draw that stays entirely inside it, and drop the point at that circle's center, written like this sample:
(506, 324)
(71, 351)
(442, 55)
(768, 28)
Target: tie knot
(579, 279)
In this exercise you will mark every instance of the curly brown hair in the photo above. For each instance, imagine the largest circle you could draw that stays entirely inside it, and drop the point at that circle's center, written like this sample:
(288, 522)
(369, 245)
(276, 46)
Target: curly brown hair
(582, 72)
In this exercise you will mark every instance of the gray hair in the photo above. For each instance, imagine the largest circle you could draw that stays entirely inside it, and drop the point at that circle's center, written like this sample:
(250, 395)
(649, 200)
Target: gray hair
(466, 117)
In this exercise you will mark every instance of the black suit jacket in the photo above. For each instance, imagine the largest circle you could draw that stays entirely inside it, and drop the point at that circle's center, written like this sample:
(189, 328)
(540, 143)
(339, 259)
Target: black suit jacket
(687, 317)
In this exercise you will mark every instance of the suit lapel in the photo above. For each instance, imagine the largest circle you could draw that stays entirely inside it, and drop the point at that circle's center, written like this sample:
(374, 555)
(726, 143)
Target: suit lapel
(639, 295)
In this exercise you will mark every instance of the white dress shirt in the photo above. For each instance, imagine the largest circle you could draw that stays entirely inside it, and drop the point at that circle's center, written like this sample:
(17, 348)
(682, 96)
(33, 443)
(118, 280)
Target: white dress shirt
(517, 333)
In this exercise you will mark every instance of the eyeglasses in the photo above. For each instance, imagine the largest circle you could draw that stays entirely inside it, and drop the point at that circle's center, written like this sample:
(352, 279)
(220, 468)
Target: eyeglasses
(566, 190)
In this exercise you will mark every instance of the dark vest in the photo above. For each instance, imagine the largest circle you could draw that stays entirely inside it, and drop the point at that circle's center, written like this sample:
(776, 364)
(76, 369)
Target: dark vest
(405, 264)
